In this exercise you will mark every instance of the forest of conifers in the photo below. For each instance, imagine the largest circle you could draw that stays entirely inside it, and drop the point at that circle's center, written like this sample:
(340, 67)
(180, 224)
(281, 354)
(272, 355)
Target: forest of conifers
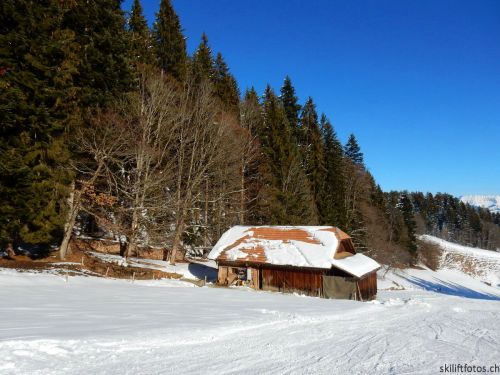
(110, 126)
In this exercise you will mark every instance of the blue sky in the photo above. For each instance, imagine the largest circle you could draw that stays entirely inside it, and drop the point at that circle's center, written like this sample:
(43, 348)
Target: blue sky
(417, 82)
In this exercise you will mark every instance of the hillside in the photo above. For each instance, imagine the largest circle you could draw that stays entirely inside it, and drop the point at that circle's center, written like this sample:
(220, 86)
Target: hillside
(491, 202)
(483, 265)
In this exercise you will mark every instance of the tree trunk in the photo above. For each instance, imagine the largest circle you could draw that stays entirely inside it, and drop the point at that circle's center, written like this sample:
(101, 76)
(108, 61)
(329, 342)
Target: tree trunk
(241, 214)
(10, 251)
(205, 236)
(74, 201)
(132, 241)
(123, 247)
(177, 240)
(74, 207)
(131, 249)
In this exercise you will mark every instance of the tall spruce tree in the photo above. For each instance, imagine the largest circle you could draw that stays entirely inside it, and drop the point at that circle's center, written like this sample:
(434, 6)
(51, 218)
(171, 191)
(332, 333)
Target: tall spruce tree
(252, 108)
(140, 36)
(313, 153)
(104, 68)
(170, 44)
(406, 207)
(225, 85)
(332, 210)
(352, 151)
(252, 121)
(38, 60)
(290, 198)
(203, 63)
(292, 107)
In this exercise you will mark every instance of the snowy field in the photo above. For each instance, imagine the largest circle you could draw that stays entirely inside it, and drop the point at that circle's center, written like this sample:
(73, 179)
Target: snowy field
(89, 325)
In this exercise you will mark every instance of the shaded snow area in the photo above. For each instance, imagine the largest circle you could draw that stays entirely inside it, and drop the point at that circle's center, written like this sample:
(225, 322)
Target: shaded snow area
(191, 270)
(89, 325)
(483, 265)
(491, 202)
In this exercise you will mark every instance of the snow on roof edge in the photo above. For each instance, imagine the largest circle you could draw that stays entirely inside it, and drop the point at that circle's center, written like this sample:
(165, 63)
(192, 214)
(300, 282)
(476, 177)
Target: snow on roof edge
(358, 265)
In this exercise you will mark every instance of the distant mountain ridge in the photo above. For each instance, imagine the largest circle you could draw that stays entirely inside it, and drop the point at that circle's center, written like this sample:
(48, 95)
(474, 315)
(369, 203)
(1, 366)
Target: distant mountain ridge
(491, 202)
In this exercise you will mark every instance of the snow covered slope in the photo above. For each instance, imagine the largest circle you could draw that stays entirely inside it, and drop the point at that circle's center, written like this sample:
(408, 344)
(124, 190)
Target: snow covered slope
(93, 325)
(491, 202)
(445, 281)
(483, 265)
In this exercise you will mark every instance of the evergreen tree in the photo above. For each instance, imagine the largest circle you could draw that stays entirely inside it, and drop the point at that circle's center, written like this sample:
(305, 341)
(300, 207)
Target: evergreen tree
(225, 85)
(257, 212)
(447, 217)
(104, 69)
(38, 60)
(203, 63)
(313, 153)
(140, 36)
(292, 107)
(332, 210)
(406, 207)
(394, 216)
(290, 198)
(251, 107)
(251, 96)
(352, 151)
(170, 44)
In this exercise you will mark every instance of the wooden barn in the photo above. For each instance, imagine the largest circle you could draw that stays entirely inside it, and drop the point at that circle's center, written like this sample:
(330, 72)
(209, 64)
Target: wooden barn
(317, 261)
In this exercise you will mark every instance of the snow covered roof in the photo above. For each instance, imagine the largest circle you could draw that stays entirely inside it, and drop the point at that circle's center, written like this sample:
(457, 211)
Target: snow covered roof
(298, 246)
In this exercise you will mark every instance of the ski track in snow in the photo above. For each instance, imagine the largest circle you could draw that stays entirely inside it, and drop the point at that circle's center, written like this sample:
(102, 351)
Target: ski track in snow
(99, 326)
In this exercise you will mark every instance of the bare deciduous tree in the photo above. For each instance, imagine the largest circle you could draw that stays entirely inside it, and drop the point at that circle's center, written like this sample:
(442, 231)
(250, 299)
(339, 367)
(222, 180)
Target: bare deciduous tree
(206, 143)
(156, 154)
(97, 144)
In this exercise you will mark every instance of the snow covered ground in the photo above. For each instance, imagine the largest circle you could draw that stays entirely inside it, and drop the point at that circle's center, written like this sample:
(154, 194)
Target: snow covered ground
(444, 281)
(89, 325)
(483, 265)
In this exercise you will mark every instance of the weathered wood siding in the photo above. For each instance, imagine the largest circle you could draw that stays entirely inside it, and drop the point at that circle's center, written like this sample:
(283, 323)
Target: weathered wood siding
(255, 282)
(222, 275)
(368, 286)
(229, 275)
(290, 280)
(287, 280)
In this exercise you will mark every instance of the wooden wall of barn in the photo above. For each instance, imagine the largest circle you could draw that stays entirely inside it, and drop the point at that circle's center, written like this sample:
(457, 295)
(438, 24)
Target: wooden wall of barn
(368, 286)
(292, 280)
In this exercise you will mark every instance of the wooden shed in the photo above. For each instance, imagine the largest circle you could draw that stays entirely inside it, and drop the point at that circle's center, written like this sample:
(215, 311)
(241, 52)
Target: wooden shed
(312, 260)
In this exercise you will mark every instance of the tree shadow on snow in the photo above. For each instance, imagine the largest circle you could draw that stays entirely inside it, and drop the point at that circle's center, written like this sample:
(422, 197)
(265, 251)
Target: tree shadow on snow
(201, 270)
(451, 289)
